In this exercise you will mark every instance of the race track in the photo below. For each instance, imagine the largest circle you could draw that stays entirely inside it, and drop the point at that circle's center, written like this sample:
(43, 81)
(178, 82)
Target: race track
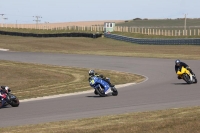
(162, 90)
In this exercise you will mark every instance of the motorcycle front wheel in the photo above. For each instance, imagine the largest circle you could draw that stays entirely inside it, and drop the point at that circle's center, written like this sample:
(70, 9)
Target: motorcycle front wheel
(14, 101)
(115, 92)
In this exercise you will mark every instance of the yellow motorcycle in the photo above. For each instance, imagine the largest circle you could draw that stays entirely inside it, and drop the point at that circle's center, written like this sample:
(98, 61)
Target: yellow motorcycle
(185, 74)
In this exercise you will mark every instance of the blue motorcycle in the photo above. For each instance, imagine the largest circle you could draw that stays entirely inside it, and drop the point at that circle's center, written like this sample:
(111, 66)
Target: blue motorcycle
(102, 88)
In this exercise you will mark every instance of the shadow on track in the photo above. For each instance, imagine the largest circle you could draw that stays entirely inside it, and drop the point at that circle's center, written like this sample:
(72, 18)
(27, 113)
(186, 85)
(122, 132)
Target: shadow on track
(94, 96)
(99, 96)
(180, 84)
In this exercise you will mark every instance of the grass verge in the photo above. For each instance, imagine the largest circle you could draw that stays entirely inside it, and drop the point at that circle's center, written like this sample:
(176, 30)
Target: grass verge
(34, 80)
(183, 120)
(100, 46)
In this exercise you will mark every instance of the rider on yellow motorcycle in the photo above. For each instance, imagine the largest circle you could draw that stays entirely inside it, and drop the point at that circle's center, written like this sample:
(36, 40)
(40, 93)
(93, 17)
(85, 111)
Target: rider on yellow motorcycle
(179, 65)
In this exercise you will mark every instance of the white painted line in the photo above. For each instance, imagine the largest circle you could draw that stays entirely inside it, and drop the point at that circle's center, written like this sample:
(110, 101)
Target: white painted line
(71, 94)
(2, 49)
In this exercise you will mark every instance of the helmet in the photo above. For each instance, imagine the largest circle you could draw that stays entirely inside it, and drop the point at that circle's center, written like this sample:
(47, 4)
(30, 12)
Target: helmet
(177, 62)
(6, 88)
(91, 72)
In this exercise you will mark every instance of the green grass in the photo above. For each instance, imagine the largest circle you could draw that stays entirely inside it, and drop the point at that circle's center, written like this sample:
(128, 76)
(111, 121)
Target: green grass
(34, 80)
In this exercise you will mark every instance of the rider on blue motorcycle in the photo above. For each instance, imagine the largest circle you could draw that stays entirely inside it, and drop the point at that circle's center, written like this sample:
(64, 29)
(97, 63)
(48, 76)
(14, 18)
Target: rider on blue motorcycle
(92, 73)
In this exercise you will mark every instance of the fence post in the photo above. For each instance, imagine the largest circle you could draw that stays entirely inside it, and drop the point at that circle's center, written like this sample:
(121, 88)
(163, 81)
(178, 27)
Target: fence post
(148, 31)
(194, 32)
(153, 31)
(115, 29)
(190, 33)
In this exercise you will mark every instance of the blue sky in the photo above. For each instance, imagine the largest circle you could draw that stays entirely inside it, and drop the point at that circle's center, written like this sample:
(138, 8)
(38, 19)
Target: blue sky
(53, 11)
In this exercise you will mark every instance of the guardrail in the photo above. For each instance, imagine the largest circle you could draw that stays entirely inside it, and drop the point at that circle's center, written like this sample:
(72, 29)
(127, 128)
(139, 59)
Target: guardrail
(89, 35)
(190, 41)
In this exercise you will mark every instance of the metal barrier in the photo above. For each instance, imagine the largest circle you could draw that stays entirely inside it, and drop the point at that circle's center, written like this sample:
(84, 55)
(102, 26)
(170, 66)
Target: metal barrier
(177, 41)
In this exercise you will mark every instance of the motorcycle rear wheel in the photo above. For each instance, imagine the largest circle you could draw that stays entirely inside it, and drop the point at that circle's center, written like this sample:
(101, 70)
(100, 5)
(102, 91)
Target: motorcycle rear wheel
(195, 80)
(99, 91)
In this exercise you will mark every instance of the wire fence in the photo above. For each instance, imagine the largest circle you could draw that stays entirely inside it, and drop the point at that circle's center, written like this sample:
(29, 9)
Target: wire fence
(162, 30)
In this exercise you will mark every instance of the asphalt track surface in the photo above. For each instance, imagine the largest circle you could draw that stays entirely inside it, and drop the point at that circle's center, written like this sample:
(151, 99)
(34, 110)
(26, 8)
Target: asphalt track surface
(161, 90)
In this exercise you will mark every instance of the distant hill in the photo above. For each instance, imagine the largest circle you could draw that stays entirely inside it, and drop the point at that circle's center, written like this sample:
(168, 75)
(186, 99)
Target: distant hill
(137, 22)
